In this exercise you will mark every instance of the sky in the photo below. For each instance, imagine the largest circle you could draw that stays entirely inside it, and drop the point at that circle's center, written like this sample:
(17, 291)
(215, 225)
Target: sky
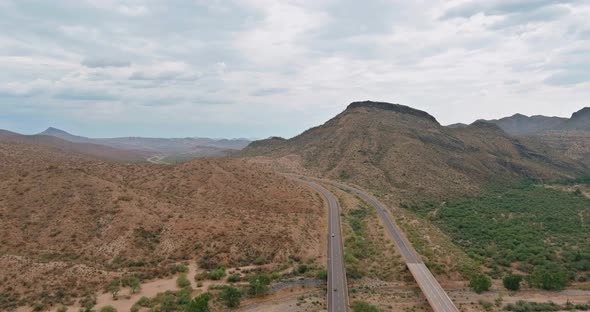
(260, 68)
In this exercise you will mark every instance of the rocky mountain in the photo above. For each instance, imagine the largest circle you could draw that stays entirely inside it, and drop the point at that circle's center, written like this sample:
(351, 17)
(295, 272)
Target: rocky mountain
(519, 124)
(171, 148)
(383, 146)
(569, 136)
(69, 223)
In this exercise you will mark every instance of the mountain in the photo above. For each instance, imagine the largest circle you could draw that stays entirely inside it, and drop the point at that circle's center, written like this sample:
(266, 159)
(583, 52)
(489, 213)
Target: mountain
(569, 136)
(170, 148)
(519, 124)
(385, 146)
(580, 121)
(95, 151)
(72, 223)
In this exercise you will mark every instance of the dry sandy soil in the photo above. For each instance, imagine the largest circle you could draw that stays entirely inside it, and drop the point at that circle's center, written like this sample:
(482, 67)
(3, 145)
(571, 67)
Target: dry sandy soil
(68, 225)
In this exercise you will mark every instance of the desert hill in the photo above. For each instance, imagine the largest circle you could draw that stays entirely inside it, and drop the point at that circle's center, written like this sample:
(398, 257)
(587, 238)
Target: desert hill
(72, 223)
(570, 136)
(385, 146)
(175, 148)
(84, 149)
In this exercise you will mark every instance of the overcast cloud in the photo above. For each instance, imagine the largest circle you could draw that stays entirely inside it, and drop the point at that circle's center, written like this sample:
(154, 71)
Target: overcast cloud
(249, 68)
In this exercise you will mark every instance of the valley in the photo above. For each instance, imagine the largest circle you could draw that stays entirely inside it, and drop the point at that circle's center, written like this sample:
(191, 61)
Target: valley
(379, 208)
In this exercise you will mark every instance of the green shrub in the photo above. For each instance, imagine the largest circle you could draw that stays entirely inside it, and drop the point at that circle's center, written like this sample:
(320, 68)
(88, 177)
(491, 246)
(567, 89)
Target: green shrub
(182, 281)
(322, 275)
(108, 309)
(233, 278)
(259, 284)
(512, 282)
(486, 305)
(548, 278)
(480, 283)
(217, 274)
(199, 304)
(144, 302)
(134, 283)
(361, 306)
(231, 296)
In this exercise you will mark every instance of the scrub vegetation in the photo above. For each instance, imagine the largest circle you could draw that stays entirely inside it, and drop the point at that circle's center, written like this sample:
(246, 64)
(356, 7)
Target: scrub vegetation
(526, 227)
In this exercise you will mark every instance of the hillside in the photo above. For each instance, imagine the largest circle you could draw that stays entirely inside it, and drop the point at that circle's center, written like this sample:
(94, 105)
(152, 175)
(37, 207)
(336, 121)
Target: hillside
(175, 148)
(85, 149)
(70, 223)
(385, 146)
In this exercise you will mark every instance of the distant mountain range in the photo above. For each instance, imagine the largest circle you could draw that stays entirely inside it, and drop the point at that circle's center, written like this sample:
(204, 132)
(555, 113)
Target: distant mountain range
(570, 136)
(168, 149)
(131, 149)
(519, 124)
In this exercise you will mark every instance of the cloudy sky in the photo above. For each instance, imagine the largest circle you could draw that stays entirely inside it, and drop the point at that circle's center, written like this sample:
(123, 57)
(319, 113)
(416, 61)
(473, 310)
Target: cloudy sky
(255, 68)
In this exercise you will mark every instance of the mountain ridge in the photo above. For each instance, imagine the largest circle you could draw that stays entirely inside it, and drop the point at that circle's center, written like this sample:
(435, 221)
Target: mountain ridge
(384, 149)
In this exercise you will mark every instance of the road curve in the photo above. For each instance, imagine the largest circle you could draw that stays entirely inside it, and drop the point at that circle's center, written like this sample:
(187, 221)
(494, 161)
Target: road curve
(434, 293)
(337, 288)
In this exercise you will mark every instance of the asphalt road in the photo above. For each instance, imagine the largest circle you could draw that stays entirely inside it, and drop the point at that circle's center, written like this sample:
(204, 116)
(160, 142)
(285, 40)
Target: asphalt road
(337, 288)
(434, 293)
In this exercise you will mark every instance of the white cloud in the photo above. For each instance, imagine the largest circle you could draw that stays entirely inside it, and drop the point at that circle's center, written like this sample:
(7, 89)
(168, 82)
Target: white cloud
(265, 67)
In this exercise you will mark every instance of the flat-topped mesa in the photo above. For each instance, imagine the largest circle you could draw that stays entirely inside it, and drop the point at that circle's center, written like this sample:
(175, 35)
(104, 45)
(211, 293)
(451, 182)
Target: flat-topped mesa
(393, 107)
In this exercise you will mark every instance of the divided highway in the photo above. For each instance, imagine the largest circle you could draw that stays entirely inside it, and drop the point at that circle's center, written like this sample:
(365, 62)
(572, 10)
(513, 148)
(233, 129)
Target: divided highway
(337, 288)
(434, 293)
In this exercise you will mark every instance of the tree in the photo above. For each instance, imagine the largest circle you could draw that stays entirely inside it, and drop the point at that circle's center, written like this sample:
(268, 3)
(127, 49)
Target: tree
(182, 281)
(480, 283)
(108, 309)
(199, 303)
(259, 284)
(512, 281)
(231, 296)
(134, 284)
(114, 288)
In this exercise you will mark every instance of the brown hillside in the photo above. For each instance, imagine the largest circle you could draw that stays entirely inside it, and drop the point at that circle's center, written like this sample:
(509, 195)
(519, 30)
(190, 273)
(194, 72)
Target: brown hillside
(383, 146)
(71, 223)
(83, 149)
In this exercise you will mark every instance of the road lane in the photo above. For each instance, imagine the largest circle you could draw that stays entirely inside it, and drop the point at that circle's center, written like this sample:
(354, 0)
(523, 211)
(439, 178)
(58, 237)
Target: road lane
(434, 293)
(337, 287)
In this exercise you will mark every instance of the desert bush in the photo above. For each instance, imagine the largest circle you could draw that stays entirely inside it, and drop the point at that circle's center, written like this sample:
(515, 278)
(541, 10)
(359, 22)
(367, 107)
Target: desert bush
(259, 284)
(108, 309)
(183, 282)
(199, 304)
(512, 282)
(361, 306)
(480, 283)
(548, 277)
(322, 275)
(231, 296)
(217, 274)
(114, 288)
(233, 278)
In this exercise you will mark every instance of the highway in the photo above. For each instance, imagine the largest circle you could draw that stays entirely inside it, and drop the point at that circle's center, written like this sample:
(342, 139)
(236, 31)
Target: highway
(434, 293)
(337, 287)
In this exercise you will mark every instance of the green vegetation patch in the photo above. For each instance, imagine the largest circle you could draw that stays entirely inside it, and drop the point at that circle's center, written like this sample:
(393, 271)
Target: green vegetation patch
(537, 228)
